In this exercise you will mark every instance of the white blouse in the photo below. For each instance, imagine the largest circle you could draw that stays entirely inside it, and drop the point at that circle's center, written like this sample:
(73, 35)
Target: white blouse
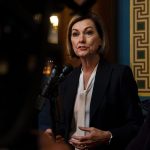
(82, 103)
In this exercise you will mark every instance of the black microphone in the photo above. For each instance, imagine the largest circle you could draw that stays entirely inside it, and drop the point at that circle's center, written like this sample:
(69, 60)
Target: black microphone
(43, 96)
(54, 109)
(65, 71)
(51, 84)
(48, 81)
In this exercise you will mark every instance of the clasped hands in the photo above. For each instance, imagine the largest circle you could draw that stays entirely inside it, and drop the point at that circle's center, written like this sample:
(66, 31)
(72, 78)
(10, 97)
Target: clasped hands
(92, 138)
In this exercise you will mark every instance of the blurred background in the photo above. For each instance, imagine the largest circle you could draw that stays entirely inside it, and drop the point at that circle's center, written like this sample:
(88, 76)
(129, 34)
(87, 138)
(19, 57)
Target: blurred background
(33, 32)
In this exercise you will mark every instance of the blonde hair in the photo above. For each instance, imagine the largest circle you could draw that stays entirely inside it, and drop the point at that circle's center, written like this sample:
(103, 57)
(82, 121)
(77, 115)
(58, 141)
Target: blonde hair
(99, 27)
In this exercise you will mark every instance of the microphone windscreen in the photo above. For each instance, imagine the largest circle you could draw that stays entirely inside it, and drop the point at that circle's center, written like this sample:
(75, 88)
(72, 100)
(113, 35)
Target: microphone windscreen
(65, 71)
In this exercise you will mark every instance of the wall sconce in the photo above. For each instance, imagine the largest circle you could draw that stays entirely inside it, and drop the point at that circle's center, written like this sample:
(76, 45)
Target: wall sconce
(54, 21)
(53, 31)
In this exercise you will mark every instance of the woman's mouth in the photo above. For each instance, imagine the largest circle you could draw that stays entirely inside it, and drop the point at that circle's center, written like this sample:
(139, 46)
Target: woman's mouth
(82, 47)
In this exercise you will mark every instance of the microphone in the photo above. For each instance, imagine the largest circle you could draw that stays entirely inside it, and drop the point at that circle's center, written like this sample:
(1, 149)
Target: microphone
(49, 81)
(65, 71)
(43, 96)
(51, 84)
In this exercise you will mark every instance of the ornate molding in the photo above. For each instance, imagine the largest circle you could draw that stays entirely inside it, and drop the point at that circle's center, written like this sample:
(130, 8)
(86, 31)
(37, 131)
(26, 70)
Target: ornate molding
(140, 44)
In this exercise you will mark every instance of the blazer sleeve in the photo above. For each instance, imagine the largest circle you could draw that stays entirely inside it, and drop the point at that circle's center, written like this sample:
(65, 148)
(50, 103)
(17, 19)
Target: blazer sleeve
(131, 109)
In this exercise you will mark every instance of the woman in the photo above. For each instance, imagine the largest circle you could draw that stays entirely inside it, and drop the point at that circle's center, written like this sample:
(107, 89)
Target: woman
(111, 116)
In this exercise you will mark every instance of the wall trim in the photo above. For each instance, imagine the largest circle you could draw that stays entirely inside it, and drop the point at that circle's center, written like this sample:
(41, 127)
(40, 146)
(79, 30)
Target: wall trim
(140, 44)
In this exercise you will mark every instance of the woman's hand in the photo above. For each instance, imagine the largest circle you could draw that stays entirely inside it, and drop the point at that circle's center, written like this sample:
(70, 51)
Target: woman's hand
(92, 138)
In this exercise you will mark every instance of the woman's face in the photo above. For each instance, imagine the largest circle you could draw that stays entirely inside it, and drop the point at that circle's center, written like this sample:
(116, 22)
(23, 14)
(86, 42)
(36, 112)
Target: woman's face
(85, 38)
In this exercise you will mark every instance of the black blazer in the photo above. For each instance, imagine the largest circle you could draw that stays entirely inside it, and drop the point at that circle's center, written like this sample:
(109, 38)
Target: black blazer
(114, 104)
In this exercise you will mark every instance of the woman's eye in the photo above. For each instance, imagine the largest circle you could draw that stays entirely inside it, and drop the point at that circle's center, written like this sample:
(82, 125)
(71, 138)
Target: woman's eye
(89, 32)
(75, 34)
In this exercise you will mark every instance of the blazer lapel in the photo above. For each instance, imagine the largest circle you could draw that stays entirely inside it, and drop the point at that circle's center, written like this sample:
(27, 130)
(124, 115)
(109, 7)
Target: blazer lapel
(72, 91)
(101, 81)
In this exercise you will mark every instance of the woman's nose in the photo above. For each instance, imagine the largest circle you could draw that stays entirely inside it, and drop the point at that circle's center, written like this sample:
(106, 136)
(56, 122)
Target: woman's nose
(81, 38)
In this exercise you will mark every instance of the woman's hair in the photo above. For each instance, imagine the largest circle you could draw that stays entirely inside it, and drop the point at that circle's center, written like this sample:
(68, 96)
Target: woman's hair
(99, 27)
